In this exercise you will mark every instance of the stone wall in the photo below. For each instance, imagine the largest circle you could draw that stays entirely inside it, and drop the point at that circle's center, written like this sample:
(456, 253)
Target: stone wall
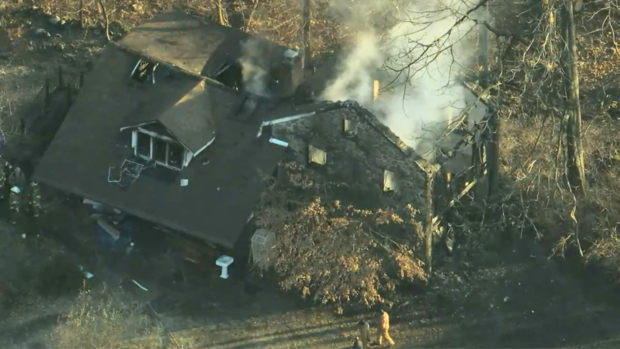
(356, 160)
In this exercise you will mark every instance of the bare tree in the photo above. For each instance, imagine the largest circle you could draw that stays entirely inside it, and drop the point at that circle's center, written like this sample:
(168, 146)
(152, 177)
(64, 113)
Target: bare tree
(574, 149)
(106, 20)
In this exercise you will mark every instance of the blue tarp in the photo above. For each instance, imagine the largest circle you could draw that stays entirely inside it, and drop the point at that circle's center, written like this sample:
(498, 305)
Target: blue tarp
(107, 242)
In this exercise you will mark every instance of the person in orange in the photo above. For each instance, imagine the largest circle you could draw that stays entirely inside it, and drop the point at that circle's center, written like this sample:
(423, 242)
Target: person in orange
(385, 327)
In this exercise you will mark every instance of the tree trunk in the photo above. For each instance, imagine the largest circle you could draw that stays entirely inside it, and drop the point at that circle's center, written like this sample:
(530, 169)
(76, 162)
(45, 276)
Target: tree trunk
(491, 139)
(106, 21)
(306, 18)
(574, 150)
(428, 228)
(82, 13)
(220, 12)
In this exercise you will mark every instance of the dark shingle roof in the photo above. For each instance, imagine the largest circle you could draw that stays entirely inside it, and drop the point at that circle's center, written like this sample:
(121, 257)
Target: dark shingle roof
(224, 180)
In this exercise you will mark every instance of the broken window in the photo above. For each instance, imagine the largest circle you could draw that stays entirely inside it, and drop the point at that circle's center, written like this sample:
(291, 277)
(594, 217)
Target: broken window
(389, 181)
(349, 127)
(230, 75)
(144, 71)
(316, 155)
(175, 155)
(143, 147)
(159, 150)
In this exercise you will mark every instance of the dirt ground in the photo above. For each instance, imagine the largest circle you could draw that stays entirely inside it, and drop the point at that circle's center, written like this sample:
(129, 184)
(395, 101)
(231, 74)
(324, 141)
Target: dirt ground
(511, 298)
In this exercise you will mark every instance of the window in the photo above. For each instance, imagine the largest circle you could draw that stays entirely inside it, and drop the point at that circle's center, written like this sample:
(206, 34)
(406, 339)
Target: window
(317, 155)
(175, 155)
(144, 144)
(144, 71)
(349, 127)
(389, 181)
(163, 151)
(159, 150)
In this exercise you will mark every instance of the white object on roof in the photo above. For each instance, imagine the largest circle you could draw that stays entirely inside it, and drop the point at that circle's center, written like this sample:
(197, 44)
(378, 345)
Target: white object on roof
(184, 182)
(224, 261)
(278, 142)
(16, 190)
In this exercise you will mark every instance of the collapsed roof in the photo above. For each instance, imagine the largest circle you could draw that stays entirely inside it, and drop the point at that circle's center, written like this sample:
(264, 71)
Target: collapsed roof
(207, 49)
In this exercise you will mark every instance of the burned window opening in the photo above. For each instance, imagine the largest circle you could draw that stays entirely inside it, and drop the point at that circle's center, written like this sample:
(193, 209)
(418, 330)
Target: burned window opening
(349, 127)
(390, 184)
(144, 71)
(316, 155)
(230, 75)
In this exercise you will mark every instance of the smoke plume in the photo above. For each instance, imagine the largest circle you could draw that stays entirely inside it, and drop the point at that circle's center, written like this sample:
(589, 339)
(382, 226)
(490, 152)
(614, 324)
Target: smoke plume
(252, 66)
(423, 57)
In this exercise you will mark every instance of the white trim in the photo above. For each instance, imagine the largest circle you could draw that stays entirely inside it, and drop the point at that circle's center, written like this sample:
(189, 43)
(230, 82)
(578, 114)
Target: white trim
(281, 120)
(278, 142)
(134, 139)
(135, 68)
(138, 125)
(156, 135)
(205, 147)
(288, 118)
(187, 158)
(168, 141)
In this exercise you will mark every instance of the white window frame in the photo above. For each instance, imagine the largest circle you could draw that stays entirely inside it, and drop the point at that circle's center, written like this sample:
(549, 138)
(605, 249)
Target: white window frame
(167, 140)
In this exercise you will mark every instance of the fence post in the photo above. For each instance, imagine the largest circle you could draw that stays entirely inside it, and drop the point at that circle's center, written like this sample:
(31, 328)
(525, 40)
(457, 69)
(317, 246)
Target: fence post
(81, 79)
(47, 94)
(60, 80)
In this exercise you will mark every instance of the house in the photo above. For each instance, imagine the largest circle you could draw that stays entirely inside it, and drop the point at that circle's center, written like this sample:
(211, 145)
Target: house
(180, 122)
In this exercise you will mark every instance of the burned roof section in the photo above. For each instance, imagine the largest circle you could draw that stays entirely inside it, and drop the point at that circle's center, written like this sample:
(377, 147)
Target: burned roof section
(357, 165)
(232, 57)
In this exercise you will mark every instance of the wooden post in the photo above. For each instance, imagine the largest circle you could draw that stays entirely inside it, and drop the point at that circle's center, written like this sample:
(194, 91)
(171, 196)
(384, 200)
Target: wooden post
(60, 79)
(375, 90)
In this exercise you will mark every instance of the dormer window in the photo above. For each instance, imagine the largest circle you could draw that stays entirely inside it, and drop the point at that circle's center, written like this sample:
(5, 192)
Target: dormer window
(144, 71)
(163, 150)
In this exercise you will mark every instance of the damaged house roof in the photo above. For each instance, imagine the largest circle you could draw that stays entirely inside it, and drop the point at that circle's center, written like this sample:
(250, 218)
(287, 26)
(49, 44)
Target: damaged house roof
(223, 180)
(171, 150)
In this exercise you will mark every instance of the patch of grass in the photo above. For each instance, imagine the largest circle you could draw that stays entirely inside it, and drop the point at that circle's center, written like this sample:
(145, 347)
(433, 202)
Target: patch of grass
(101, 319)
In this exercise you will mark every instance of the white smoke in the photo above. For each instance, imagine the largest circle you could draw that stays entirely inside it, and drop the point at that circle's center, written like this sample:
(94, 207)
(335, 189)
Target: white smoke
(423, 56)
(251, 61)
